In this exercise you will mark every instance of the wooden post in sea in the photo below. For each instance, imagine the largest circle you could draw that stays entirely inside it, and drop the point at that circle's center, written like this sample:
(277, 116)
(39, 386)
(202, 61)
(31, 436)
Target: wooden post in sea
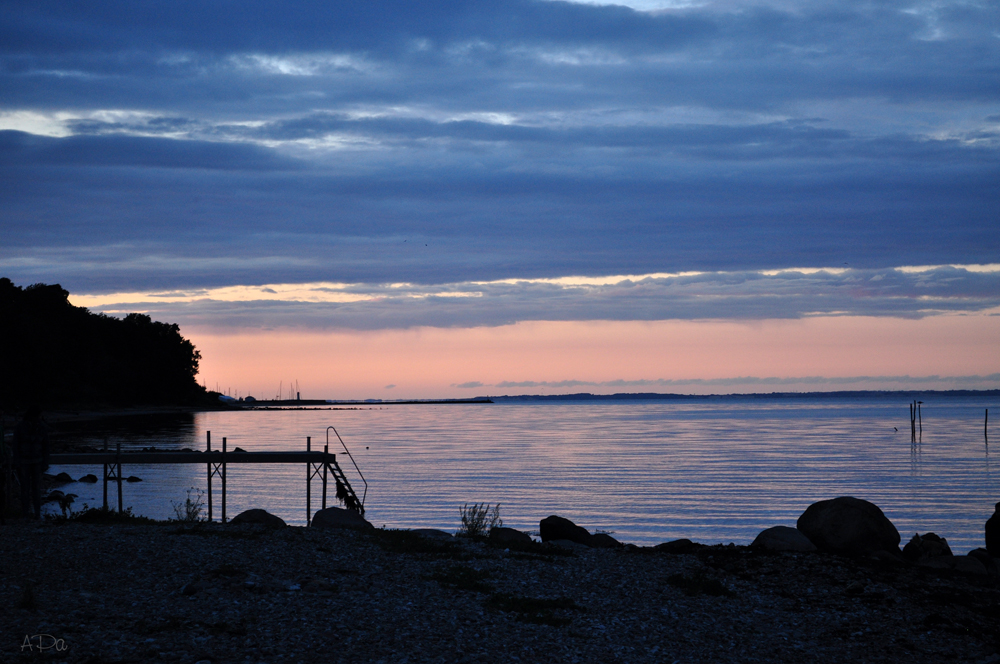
(208, 466)
(986, 427)
(105, 477)
(920, 419)
(308, 483)
(118, 465)
(223, 479)
(326, 454)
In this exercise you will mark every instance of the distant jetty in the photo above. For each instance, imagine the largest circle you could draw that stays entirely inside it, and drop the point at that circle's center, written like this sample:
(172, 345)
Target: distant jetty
(295, 403)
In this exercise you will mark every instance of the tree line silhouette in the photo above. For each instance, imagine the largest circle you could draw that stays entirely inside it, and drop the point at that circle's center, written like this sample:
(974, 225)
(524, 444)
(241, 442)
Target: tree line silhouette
(52, 351)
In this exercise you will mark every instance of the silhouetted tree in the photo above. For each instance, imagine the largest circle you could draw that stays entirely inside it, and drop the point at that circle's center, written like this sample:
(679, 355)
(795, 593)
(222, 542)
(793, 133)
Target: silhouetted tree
(52, 350)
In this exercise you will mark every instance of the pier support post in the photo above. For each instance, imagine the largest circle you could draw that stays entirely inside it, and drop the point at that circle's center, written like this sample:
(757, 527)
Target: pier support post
(326, 463)
(208, 469)
(309, 472)
(223, 479)
(118, 463)
(105, 477)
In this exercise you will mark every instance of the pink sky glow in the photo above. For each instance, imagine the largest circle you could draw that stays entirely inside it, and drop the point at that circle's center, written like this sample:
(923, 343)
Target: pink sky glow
(434, 362)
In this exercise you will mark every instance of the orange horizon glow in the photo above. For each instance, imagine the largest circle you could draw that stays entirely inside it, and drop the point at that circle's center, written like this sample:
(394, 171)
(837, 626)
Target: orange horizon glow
(426, 362)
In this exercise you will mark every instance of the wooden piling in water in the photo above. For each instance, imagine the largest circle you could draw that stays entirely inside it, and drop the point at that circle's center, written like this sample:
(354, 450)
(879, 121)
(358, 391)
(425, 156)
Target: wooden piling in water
(208, 468)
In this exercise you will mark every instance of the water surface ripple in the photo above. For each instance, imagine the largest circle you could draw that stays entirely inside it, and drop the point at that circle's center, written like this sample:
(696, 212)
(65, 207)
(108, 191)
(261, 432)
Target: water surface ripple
(712, 471)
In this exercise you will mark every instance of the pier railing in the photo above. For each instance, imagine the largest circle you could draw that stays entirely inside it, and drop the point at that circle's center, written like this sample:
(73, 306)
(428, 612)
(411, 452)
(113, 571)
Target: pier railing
(319, 465)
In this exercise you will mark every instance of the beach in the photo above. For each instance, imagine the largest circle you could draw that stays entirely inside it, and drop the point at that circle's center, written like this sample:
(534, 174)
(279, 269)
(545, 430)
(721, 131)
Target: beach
(203, 592)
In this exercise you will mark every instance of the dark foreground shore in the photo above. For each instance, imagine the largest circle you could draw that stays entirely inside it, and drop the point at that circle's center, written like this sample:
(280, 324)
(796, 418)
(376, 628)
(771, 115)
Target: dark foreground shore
(232, 593)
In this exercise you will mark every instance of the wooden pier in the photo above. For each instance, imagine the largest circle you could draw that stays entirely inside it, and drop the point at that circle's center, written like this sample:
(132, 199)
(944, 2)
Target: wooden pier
(319, 465)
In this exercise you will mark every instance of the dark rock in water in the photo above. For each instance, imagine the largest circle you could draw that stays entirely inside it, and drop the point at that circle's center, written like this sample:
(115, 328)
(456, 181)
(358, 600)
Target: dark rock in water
(604, 541)
(783, 538)
(89, 479)
(848, 525)
(133, 478)
(677, 546)
(64, 478)
(925, 546)
(432, 533)
(557, 528)
(501, 535)
(239, 449)
(335, 517)
(993, 533)
(258, 516)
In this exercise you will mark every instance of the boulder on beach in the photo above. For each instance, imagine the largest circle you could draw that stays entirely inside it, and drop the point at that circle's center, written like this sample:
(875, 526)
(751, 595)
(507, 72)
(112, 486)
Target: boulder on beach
(133, 478)
(258, 516)
(848, 525)
(677, 546)
(993, 533)
(604, 541)
(557, 528)
(783, 538)
(336, 517)
(925, 546)
(89, 479)
(64, 478)
(988, 561)
(501, 535)
(432, 533)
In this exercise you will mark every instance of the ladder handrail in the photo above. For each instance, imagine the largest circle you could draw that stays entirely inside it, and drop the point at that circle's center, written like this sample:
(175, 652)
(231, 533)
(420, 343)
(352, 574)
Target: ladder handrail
(365, 495)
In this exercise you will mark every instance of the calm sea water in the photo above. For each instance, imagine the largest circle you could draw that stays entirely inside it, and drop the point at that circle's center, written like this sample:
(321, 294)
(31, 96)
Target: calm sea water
(712, 471)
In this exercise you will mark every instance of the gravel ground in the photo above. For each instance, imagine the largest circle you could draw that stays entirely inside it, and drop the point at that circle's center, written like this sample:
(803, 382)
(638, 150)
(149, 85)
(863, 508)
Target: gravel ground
(225, 593)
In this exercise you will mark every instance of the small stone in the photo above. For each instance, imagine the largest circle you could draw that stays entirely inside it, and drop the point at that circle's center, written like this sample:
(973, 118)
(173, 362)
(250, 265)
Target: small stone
(557, 528)
(432, 533)
(501, 535)
(336, 517)
(677, 546)
(258, 516)
(783, 538)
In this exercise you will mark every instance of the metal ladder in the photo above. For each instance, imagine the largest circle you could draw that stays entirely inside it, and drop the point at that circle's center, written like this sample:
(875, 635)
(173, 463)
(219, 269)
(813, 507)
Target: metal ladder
(345, 492)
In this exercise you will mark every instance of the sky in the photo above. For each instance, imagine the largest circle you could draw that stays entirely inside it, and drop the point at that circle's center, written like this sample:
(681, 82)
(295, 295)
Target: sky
(454, 199)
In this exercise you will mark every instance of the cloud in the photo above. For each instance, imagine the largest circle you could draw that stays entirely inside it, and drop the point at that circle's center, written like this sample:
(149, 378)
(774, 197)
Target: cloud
(219, 144)
(833, 382)
(469, 385)
(903, 293)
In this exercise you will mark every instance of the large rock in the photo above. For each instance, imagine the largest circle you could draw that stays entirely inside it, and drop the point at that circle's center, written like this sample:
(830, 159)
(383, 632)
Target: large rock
(336, 517)
(783, 538)
(925, 546)
(557, 528)
(848, 525)
(505, 536)
(993, 533)
(261, 517)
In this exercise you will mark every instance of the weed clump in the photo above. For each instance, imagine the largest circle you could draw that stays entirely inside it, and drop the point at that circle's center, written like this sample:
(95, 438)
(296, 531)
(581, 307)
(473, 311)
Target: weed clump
(190, 510)
(479, 519)
(107, 516)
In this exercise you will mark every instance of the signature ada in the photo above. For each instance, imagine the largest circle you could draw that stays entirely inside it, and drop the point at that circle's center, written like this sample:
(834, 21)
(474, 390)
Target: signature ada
(43, 642)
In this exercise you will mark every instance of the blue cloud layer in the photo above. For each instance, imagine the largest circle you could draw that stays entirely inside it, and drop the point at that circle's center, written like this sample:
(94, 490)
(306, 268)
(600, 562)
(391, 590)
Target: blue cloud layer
(204, 144)
(714, 295)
